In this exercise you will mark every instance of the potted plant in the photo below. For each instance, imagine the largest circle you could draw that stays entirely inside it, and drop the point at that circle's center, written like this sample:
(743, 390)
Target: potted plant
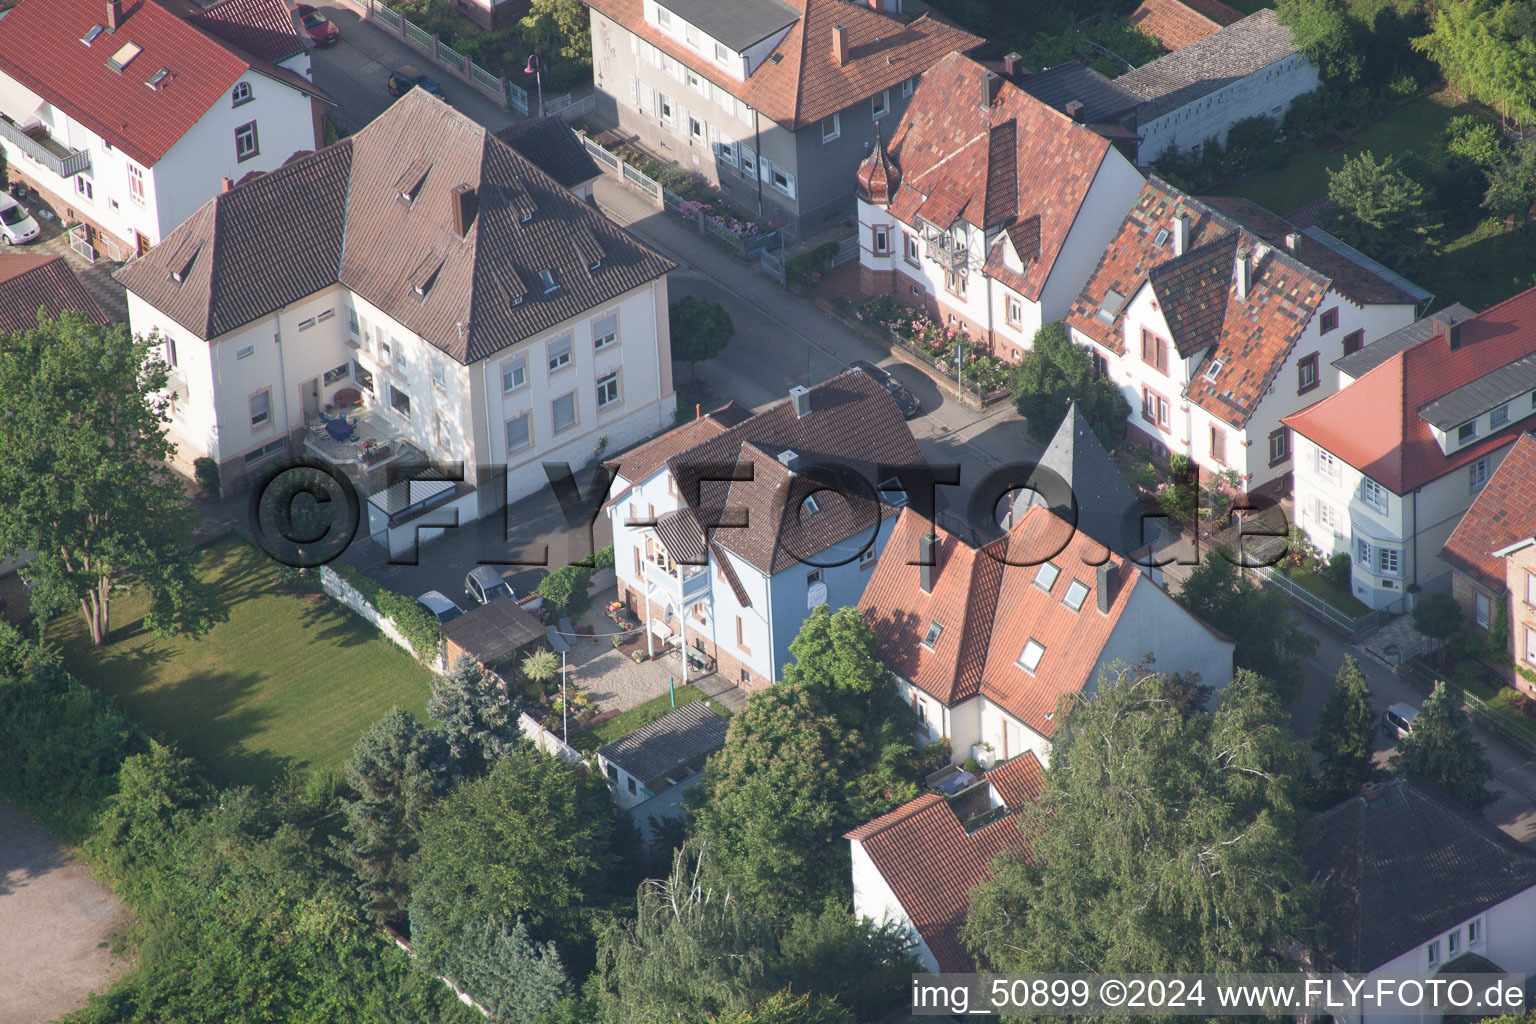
(639, 657)
(618, 640)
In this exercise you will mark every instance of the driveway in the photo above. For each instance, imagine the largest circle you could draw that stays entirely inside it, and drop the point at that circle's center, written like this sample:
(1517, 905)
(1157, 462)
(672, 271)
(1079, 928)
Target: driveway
(57, 926)
(355, 70)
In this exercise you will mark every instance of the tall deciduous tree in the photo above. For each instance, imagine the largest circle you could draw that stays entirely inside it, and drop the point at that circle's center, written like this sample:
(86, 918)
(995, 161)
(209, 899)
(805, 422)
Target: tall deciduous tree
(1382, 211)
(1442, 751)
(1163, 840)
(1487, 50)
(560, 27)
(393, 777)
(700, 330)
(534, 838)
(1512, 184)
(478, 715)
(1343, 734)
(83, 469)
(1270, 641)
(1053, 374)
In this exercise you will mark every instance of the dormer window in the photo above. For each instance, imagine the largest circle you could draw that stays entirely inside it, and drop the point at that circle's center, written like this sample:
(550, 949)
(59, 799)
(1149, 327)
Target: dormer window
(240, 94)
(90, 37)
(517, 300)
(550, 284)
(1110, 307)
(1466, 432)
(594, 264)
(525, 218)
(1029, 658)
(935, 630)
(181, 273)
(663, 17)
(1212, 370)
(811, 506)
(1498, 417)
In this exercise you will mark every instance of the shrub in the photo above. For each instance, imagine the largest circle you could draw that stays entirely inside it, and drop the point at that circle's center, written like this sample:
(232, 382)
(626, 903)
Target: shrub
(1338, 571)
(411, 618)
(565, 590)
(1404, 86)
(207, 472)
(802, 270)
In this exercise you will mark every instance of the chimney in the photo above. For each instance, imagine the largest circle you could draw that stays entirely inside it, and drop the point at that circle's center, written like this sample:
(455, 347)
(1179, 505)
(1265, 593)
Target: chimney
(1181, 234)
(114, 14)
(991, 84)
(1372, 792)
(1244, 271)
(840, 44)
(226, 184)
(789, 459)
(1448, 326)
(1074, 109)
(927, 557)
(1013, 66)
(1292, 240)
(801, 397)
(1106, 571)
(464, 206)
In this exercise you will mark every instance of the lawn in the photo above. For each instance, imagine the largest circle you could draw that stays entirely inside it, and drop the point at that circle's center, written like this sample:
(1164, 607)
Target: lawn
(1321, 589)
(626, 722)
(286, 681)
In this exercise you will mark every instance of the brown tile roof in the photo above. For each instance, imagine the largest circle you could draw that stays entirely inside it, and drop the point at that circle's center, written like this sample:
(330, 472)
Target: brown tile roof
(340, 215)
(1177, 23)
(264, 28)
(1504, 512)
(637, 464)
(33, 281)
(1019, 164)
(551, 146)
(807, 84)
(989, 606)
(1198, 290)
(931, 864)
(1399, 450)
(853, 423)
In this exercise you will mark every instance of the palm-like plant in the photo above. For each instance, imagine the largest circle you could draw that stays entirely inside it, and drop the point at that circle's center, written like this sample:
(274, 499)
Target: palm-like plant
(540, 666)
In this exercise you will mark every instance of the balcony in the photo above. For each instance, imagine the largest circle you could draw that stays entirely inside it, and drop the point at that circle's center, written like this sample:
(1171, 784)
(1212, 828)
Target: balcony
(686, 584)
(944, 249)
(374, 441)
(35, 141)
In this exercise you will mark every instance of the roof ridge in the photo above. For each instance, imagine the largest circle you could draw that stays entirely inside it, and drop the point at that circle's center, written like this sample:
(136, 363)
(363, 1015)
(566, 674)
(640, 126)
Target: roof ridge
(913, 807)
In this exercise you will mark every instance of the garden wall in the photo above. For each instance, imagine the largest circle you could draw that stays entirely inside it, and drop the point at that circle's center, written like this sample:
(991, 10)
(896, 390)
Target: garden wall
(547, 741)
(349, 595)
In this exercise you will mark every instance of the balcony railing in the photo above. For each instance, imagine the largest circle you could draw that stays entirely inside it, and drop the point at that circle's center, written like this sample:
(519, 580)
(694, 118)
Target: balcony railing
(945, 250)
(40, 146)
(687, 584)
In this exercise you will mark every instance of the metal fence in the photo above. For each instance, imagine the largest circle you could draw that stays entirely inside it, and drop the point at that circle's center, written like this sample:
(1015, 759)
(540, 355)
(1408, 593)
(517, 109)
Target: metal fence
(482, 77)
(453, 58)
(847, 250)
(1351, 627)
(387, 16)
(418, 35)
(1517, 733)
(772, 265)
(518, 97)
(600, 154)
(80, 241)
(643, 182)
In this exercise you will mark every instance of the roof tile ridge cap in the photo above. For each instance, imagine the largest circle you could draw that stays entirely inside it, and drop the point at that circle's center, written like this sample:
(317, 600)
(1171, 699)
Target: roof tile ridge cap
(897, 816)
(486, 138)
(213, 263)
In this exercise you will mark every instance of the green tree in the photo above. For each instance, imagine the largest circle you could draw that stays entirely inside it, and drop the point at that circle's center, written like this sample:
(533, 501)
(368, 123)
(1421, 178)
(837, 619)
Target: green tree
(1512, 184)
(700, 330)
(1269, 639)
(1328, 35)
(1486, 50)
(83, 467)
(1342, 737)
(565, 590)
(1379, 209)
(559, 28)
(1055, 373)
(1474, 140)
(393, 777)
(517, 981)
(478, 716)
(1163, 840)
(533, 839)
(1442, 751)
(1437, 616)
(156, 796)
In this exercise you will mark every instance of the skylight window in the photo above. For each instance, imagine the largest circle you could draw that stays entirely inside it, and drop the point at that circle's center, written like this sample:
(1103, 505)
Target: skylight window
(935, 630)
(1077, 593)
(811, 506)
(90, 37)
(1029, 658)
(1162, 237)
(1046, 577)
(1113, 300)
(1215, 368)
(157, 78)
(124, 56)
(550, 284)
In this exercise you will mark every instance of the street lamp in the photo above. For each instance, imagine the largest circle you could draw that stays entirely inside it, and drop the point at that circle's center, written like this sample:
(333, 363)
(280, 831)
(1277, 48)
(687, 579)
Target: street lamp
(536, 69)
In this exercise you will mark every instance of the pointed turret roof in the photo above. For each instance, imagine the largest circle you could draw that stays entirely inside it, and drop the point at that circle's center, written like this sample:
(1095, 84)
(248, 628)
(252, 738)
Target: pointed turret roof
(1107, 508)
(879, 177)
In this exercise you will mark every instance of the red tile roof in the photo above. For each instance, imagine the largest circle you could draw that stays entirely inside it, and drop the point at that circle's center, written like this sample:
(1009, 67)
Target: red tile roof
(1177, 23)
(990, 607)
(931, 865)
(1197, 291)
(262, 27)
(29, 281)
(1007, 165)
(1503, 513)
(807, 84)
(1399, 450)
(40, 47)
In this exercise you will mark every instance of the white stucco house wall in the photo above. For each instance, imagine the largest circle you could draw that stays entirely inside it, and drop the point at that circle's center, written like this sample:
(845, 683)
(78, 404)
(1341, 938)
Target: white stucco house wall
(128, 116)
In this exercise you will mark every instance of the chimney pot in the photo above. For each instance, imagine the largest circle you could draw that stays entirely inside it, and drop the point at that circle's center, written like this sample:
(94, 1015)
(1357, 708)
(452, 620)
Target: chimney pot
(114, 14)
(227, 184)
(801, 397)
(1013, 65)
(1105, 582)
(991, 84)
(1074, 109)
(1449, 328)
(927, 557)
(465, 205)
(1244, 272)
(1292, 240)
(1180, 234)
(840, 44)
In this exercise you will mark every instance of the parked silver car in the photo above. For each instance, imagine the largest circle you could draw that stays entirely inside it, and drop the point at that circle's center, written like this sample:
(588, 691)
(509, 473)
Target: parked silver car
(1397, 720)
(440, 605)
(484, 584)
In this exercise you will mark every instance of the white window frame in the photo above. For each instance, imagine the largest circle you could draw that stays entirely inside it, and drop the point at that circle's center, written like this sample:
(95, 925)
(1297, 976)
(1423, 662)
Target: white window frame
(401, 393)
(1390, 561)
(1477, 474)
(602, 341)
(1015, 311)
(264, 419)
(439, 375)
(506, 434)
(245, 150)
(931, 638)
(772, 173)
(882, 235)
(608, 382)
(1530, 644)
(665, 109)
(907, 86)
(1482, 609)
(1327, 465)
(1363, 554)
(1030, 656)
(1530, 587)
(880, 104)
(836, 128)
(1374, 496)
(557, 354)
(136, 184)
(517, 368)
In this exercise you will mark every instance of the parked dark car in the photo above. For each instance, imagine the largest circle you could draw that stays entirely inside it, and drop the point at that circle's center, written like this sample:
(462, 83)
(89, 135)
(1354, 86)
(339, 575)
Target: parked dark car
(408, 78)
(322, 31)
(906, 401)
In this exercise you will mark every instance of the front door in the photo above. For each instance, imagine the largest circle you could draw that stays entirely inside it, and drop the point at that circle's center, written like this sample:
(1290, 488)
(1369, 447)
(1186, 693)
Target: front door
(309, 399)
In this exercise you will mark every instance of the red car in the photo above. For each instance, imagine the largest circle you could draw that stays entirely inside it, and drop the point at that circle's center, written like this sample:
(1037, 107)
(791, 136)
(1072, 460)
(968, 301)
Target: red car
(322, 31)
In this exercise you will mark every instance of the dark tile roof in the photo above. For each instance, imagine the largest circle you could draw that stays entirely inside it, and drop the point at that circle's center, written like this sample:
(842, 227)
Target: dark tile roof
(33, 281)
(338, 216)
(1107, 508)
(675, 740)
(853, 423)
(1013, 162)
(738, 24)
(801, 82)
(1504, 512)
(1193, 292)
(1178, 23)
(1497, 387)
(1398, 869)
(1102, 99)
(1357, 364)
(264, 28)
(551, 146)
(492, 631)
(1208, 64)
(637, 464)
